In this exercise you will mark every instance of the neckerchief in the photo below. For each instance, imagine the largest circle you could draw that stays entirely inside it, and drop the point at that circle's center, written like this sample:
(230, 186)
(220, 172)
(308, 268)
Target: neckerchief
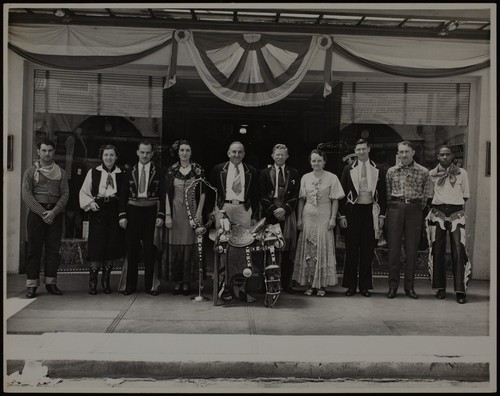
(451, 172)
(109, 180)
(51, 172)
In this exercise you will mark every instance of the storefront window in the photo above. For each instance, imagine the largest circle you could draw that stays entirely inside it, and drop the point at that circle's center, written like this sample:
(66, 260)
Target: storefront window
(427, 114)
(81, 111)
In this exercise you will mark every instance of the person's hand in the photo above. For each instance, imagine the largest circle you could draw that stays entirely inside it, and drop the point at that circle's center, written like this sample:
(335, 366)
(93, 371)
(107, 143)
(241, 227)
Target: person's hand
(159, 222)
(299, 225)
(48, 216)
(343, 222)
(94, 207)
(381, 221)
(331, 224)
(123, 223)
(168, 221)
(279, 213)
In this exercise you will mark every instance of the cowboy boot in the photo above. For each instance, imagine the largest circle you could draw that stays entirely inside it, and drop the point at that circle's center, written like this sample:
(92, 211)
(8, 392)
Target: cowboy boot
(94, 271)
(106, 272)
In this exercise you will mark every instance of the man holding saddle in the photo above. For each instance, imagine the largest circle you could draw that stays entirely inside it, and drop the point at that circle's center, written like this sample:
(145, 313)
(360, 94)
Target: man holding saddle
(237, 192)
(279, 191)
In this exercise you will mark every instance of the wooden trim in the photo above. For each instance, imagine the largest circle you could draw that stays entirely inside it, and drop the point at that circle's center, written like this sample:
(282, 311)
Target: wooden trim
(322, 28)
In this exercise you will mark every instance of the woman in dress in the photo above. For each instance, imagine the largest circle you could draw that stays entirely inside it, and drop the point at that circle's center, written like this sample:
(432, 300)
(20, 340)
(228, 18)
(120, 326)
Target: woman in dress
(181, 237)
(98, 196)
(319, 196)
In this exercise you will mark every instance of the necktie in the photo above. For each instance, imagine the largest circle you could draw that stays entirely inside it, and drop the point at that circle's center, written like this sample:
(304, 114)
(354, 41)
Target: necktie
(363, 184)
(142, 180)
(237, 181)
(281, 178)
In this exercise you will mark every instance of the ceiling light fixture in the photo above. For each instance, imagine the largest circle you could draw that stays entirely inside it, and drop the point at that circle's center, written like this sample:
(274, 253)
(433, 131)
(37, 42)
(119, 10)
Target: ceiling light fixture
(448, 27)
(243, 129)
(453, 25)
(59, 13)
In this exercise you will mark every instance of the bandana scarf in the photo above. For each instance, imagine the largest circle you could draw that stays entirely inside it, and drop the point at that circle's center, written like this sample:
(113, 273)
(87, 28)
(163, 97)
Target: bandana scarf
(109, 180)
(51, 172)
(451, 172)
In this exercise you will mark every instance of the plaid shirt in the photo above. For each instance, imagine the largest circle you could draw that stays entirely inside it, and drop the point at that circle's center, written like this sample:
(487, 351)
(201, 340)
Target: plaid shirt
(410, 182)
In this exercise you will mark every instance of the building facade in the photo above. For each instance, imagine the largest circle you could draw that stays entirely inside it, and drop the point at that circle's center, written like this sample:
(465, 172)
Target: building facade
(89, 84)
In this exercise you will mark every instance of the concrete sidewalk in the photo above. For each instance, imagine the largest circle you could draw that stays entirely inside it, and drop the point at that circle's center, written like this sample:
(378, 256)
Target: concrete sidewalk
(141, 336)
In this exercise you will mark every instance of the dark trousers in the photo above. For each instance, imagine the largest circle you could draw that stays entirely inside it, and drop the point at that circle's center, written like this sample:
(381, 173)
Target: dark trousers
(41, 234)
(457, 251)
(140, 227)
(403, 219)
(360, 244)
(106, 238)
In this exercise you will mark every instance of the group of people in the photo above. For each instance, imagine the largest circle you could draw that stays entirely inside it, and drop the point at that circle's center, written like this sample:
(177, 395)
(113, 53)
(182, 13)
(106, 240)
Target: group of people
(130, 205)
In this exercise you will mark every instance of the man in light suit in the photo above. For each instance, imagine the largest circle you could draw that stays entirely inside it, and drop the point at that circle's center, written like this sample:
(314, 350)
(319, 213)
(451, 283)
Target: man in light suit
(279, 187)
(238, 196)
(362, 214)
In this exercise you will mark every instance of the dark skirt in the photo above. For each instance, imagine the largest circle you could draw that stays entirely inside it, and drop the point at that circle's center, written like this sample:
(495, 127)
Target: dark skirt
(106, 237)
(183, 261)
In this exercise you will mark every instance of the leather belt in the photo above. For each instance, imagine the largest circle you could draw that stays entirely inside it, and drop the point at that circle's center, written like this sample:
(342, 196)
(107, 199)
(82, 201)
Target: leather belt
(106, 199)
(47, 206)
(234, 201)
(406, 200)
(143, 202)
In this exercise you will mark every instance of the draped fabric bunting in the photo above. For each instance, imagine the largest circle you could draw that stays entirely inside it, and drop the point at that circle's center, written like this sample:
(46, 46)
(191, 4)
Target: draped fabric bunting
(251, 69)
(415, 57)
(78, 47)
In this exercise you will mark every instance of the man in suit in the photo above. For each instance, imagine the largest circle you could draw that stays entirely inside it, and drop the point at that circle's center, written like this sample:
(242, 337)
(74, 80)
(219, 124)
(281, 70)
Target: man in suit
(237, 187)
(238, 196)
(142, 203)
(362, 214)
(279, 187)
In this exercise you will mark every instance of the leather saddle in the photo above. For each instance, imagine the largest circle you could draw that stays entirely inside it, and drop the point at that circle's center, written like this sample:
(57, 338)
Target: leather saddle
(240, 236)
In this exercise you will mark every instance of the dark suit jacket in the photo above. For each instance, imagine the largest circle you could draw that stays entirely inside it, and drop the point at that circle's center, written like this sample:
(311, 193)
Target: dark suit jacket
(350, 184)
(218, 179)
(156, 189)
(267, 187)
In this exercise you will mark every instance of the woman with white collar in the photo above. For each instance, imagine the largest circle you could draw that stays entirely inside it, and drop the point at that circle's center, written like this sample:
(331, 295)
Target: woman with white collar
(99, 197)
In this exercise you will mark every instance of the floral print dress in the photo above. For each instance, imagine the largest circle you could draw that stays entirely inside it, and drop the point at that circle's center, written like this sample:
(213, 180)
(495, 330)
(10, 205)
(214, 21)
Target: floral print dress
(315, 263)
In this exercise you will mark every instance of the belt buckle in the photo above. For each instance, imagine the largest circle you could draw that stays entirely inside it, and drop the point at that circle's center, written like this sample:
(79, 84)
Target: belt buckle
(106, 199)
(235, 202)
(407, 200)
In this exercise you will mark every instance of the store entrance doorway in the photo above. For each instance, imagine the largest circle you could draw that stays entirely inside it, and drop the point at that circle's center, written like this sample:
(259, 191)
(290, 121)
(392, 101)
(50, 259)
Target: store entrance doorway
(300, 121)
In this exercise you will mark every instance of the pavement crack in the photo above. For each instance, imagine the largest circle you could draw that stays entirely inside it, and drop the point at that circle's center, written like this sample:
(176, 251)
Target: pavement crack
(392, 327)
(252, 329)
(111, 328)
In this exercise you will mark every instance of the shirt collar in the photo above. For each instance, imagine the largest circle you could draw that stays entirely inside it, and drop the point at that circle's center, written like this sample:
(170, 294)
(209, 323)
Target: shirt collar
(410, 165)
(147, 166)
(277, 167)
